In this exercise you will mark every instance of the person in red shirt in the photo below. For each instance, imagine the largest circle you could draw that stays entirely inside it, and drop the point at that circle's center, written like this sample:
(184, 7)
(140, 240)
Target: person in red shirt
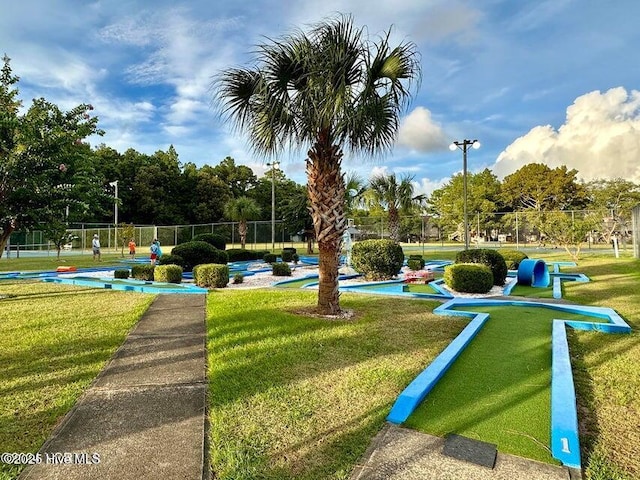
(132, 249)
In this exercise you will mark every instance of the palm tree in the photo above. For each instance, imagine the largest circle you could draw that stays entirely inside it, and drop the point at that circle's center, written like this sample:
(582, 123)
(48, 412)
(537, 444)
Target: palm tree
(240, 210)
(355, 187)
(325, 89)
(384, 190)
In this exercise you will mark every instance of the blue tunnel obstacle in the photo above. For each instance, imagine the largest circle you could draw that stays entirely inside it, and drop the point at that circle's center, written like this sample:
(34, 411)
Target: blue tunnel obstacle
(533, 272)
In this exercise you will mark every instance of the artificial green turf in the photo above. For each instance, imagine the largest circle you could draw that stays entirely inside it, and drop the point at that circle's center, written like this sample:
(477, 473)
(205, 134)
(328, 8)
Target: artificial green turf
(421, 288)
(532, 292)
(498, 390)
(298, 283)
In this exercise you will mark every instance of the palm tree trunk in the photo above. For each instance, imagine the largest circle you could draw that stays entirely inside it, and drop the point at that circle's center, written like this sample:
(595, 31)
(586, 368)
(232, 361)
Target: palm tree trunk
(394, 224)
(242, 230)
(325, 185)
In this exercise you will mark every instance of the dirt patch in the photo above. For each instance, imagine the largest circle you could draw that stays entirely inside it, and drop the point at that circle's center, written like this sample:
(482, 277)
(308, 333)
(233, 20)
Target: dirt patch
(313, 312)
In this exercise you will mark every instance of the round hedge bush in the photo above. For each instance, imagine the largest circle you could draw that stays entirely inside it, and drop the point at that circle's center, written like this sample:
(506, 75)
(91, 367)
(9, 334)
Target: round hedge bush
(415, 264)
(513, 258)
(270, 257)
(168, 274)
(171, 259)
(281, 269)
(488, 257)
(287, 254)
(142, 272)
(377, 259)
(468, 277)
(241, 255)
(418, 258)
(197, 253)
(211, 275)
(218, 241)
(121, 273)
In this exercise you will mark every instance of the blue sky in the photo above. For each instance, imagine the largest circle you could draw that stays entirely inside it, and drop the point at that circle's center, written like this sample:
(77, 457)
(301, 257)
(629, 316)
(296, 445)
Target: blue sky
(551, 81)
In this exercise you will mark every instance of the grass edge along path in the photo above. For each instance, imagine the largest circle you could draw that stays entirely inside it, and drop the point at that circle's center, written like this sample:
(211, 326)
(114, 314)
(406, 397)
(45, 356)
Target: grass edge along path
(54, 340)
(295, 397)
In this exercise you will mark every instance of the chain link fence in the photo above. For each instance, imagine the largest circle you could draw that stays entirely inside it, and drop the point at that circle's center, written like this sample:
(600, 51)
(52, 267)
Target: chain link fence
(515, 229)
(259, 237)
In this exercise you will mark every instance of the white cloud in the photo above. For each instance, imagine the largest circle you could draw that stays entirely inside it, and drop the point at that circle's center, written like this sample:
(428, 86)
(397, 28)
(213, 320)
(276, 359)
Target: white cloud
(600, 138)
(426, 186)
(420, 132)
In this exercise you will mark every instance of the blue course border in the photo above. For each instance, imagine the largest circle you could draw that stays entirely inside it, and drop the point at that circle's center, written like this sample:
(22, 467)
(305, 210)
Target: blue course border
(130, 285)
(564, 420)
(395, 287)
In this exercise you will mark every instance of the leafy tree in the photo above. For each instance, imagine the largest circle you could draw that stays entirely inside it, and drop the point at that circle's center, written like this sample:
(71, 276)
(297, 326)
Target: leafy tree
(446, 204)
(394, 196)
(239, 178)
(569, 231)
(538, 187)
(126, 231)
(56, 232)
(613, 200)
(355, 188)
(241, 210)
(328, 88)
(42, 160)
(211, 194)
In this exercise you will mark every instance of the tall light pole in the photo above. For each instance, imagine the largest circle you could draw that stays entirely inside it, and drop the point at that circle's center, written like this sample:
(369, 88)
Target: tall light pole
(115, 212)
(464, 146)
(274, 165)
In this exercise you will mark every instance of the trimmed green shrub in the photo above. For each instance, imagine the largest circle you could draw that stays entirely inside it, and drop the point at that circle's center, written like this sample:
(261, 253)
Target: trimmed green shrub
(468, 277)
(488, 257)
(287, 254)
(513, 258)
(281, 269)
(171, 259)
(415, 264)
(196, 253)
(295, 258)
(238, 278)
(211, 275)
(218, 241)
(168, 274)
(419, 258)
(260, 254)
(270, 257)
(241, 254)
(377, 259)
(122, 273)
(142, 272)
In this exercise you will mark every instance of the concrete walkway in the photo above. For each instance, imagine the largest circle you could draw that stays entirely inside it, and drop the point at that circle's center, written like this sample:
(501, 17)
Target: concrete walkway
(144, 415)
(398, 453)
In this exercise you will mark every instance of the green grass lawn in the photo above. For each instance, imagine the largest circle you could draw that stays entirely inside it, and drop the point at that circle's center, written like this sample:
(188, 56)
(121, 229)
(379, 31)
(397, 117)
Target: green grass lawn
(498, 390)
(54, 340)
(294, 397)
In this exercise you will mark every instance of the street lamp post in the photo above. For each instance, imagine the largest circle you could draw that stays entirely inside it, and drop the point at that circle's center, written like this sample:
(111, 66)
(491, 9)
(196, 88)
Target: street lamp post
(274, 165)
(464, 146)
(115, 212)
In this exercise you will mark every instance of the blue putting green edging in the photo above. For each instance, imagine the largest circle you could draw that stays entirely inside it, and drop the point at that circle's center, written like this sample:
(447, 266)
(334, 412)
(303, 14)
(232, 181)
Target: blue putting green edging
(395, 287)
(564, 420)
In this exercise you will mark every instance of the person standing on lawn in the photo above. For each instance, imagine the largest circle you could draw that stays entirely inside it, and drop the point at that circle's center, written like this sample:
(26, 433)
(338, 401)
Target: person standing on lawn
(155, 249)
(132, 249)
(95, 247)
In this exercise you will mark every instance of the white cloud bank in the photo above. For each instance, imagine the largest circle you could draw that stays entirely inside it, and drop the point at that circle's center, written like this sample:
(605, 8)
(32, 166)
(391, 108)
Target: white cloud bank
(418, 131)
(600, 138)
